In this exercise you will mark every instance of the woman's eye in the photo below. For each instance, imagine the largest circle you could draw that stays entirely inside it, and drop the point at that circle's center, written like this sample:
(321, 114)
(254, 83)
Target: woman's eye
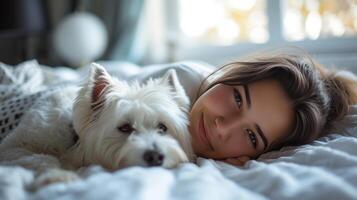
(126, 128)
(162, 127)
(253, 138)
(237, 97)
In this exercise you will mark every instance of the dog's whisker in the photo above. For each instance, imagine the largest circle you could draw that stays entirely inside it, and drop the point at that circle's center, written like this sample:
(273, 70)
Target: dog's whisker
(111, 138)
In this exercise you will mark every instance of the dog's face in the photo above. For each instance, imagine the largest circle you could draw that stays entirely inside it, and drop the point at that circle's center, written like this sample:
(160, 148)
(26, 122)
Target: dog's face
(121, 125)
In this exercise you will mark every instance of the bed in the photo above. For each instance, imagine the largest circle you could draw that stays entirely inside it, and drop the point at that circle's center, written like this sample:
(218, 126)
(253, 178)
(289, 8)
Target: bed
(324, 169)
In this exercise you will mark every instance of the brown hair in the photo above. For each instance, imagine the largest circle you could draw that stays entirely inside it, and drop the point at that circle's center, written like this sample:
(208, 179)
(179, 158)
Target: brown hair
(320, 97)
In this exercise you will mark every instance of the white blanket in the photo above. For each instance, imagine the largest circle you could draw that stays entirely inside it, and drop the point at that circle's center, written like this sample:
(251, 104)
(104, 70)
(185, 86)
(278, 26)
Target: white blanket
(324, 169)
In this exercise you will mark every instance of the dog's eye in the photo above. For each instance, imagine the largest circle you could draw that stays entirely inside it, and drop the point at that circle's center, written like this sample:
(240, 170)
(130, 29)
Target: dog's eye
(126, 128)
(162, 127)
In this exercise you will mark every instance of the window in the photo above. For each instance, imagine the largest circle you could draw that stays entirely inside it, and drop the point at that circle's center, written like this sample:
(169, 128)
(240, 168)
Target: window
(314, 19)
(223, 22)
(218, 30)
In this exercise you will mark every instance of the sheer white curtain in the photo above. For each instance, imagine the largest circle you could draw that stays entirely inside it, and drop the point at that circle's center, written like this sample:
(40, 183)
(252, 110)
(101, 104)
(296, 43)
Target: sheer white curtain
(153, 33)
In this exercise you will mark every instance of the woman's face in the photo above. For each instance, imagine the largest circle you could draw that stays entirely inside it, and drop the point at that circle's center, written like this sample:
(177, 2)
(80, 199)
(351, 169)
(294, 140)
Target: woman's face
(240, 121)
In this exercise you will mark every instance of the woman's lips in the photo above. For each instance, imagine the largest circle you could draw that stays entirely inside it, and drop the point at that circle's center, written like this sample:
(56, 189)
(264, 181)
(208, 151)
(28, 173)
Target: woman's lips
(203, 133)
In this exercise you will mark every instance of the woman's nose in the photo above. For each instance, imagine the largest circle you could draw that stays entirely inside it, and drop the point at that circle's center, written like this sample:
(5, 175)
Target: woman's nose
(224, 127)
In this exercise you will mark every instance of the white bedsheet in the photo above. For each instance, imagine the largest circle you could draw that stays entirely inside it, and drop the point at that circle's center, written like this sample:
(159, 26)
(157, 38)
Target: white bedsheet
(324, 169)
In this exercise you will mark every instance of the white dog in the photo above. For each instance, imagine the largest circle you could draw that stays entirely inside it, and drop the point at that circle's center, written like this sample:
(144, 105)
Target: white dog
(116, 125)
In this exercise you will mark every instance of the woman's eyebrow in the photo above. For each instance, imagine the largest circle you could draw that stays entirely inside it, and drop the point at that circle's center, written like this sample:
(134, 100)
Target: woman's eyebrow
(262, 135)
(247, 95)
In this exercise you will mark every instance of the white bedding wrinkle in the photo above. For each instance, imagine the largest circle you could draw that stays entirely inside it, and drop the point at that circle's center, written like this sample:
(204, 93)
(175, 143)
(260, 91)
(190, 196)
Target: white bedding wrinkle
(13, 180)
(324, 169)
(187, 182)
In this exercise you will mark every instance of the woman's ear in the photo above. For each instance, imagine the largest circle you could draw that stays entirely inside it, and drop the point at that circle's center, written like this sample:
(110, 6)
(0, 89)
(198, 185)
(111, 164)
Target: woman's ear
(237, 161)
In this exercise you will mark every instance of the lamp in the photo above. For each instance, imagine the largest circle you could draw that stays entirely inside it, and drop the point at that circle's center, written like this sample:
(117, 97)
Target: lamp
(80, 38)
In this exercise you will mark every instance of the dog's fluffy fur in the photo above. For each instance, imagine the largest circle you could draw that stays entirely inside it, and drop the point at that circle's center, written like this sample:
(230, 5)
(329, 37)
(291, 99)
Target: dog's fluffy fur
(117, 124)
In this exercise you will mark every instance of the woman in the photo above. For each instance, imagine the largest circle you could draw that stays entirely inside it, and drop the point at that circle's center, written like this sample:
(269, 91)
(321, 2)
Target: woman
(250, 107)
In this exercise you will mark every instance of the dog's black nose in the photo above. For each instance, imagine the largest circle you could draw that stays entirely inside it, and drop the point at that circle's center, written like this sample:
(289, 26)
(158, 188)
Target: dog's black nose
(153, 158)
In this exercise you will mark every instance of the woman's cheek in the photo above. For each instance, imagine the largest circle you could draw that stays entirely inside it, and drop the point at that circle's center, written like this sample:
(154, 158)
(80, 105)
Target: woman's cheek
(217, 99)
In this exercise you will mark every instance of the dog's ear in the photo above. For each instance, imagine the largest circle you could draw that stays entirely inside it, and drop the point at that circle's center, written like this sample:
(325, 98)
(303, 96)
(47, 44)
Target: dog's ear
(90, 97)
(100, 80)
(171, 79)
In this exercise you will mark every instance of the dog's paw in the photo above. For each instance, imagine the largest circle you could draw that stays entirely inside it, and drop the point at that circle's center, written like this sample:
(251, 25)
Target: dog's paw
(53, 176)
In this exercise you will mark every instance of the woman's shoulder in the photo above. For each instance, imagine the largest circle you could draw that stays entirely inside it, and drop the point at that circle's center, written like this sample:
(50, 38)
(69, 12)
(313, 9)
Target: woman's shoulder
(190, 74)
(189, 69)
